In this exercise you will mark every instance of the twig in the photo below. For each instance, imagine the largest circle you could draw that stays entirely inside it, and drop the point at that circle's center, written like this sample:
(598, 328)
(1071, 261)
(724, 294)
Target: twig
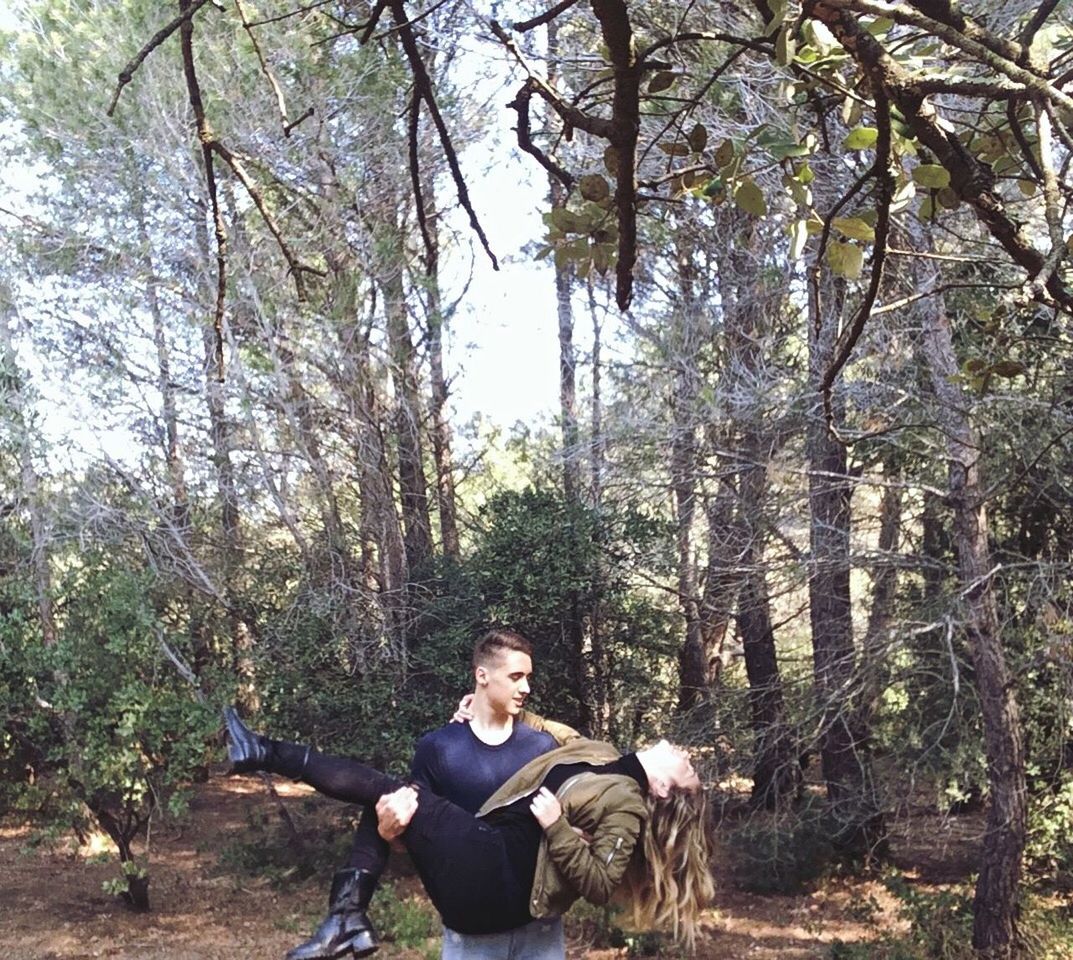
(1043, 11)
(885, 188)
(409, 23)
(571, 115)
(280, 102)
(294, 123)
(205, 136)
(127, 73)
(423, 90)
(546, 17)
(431, 253)
(297, 268)
(291, 13)
(760, 46)
(184, 669)
(520, 105)
(936, 291)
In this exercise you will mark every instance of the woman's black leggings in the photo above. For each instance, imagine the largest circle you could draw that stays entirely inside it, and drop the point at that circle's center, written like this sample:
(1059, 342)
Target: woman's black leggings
(337, 777)
(462, 860)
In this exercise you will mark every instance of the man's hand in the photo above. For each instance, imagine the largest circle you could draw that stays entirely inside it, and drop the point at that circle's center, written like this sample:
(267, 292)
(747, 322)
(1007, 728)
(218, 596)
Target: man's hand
(464, 713)
(394, 811)
(546, 808)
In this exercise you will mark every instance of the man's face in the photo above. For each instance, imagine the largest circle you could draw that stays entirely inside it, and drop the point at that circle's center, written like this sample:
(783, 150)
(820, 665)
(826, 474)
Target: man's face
(504, 681)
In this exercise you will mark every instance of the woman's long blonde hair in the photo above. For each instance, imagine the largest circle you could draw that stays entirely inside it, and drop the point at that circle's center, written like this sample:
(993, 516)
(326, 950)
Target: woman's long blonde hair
(671, 883)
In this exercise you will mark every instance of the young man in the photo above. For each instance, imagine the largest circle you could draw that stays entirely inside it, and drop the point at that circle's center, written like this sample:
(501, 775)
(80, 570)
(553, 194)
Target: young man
(466, 763)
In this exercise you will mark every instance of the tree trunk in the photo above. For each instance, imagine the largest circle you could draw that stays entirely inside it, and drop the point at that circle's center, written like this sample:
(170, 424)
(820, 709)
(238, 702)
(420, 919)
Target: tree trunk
(241, 621)
(875, 653)
(383, 549)
(776, 772)
(846, 765)
(749, 304)
(580, 643)
(13, 389)
(441, 429)
(995, 906)
(416, 522)
(603, 707)
(684, 349)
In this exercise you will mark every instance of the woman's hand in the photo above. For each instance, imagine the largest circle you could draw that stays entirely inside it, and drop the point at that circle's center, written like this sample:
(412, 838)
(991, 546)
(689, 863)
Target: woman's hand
(546, 808)
(464, 712)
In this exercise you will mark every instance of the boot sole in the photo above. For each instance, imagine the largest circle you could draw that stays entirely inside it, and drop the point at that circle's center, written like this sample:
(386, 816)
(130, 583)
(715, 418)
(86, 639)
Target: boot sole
(364, 944)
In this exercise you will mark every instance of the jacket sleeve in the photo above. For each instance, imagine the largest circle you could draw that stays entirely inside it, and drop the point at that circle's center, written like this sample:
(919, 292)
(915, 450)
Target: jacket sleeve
(596, 868)
(560, 731)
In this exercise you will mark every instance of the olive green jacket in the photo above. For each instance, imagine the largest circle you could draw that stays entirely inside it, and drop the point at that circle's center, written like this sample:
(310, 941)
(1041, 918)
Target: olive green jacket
(560, 731)
(609, 808)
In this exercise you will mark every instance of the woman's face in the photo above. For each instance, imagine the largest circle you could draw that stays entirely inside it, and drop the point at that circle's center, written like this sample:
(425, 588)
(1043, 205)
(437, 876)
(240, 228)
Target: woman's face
(677, 768)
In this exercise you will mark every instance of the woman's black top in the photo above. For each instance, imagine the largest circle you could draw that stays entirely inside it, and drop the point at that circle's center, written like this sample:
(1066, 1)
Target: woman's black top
(519, 828)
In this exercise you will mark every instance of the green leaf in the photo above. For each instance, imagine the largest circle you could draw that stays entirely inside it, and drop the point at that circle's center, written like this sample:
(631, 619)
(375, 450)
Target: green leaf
(1008, 368)
(861, 138)
(854, 227)
(750, 198)
(698, 138)
(785, 45)
(663, 80)
(948, 198)
(879, 26)
(568, 221)
(785, 149)
(819, 35)
(932, 175)
(778, 14)
(1027, 187)
(713, 187)
(675, 149)
(593, 187)
(603, 255)
(846, 259)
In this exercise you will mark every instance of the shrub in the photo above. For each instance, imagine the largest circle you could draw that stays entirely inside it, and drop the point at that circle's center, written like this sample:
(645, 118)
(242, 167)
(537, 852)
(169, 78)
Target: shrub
(787, 853)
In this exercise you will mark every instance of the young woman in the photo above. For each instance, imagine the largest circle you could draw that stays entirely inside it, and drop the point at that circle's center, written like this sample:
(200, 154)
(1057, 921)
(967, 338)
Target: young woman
(566, 825)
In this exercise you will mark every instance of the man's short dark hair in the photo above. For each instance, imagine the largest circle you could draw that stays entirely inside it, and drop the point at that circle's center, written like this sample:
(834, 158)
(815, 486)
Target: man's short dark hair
(496, 642)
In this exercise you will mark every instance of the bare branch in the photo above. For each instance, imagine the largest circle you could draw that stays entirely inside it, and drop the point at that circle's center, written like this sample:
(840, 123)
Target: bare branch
(423, 90)
(127, 73)
(884, 192)
(520, 104)
(546, 17)
(276, 89)
(205, 136)
(571, 115)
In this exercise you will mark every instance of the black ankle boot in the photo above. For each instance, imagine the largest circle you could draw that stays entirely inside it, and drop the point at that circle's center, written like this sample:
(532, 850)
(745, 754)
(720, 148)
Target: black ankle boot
(245, 749)
(346, 929)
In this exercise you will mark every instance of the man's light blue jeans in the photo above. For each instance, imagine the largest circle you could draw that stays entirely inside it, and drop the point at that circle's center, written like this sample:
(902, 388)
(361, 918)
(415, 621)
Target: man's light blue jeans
(539, 940)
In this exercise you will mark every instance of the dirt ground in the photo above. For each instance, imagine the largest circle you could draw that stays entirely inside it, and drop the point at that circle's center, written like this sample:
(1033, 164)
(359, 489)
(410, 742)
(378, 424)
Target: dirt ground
(52, 905)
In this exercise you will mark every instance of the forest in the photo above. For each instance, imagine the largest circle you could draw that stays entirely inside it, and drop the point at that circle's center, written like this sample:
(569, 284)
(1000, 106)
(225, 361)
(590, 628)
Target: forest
(804, 273)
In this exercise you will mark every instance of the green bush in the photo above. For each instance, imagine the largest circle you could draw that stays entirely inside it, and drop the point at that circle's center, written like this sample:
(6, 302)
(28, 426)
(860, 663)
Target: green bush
(409, 921)
(940, 928)
(784, 853)
(268, 849)
(113, 728)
